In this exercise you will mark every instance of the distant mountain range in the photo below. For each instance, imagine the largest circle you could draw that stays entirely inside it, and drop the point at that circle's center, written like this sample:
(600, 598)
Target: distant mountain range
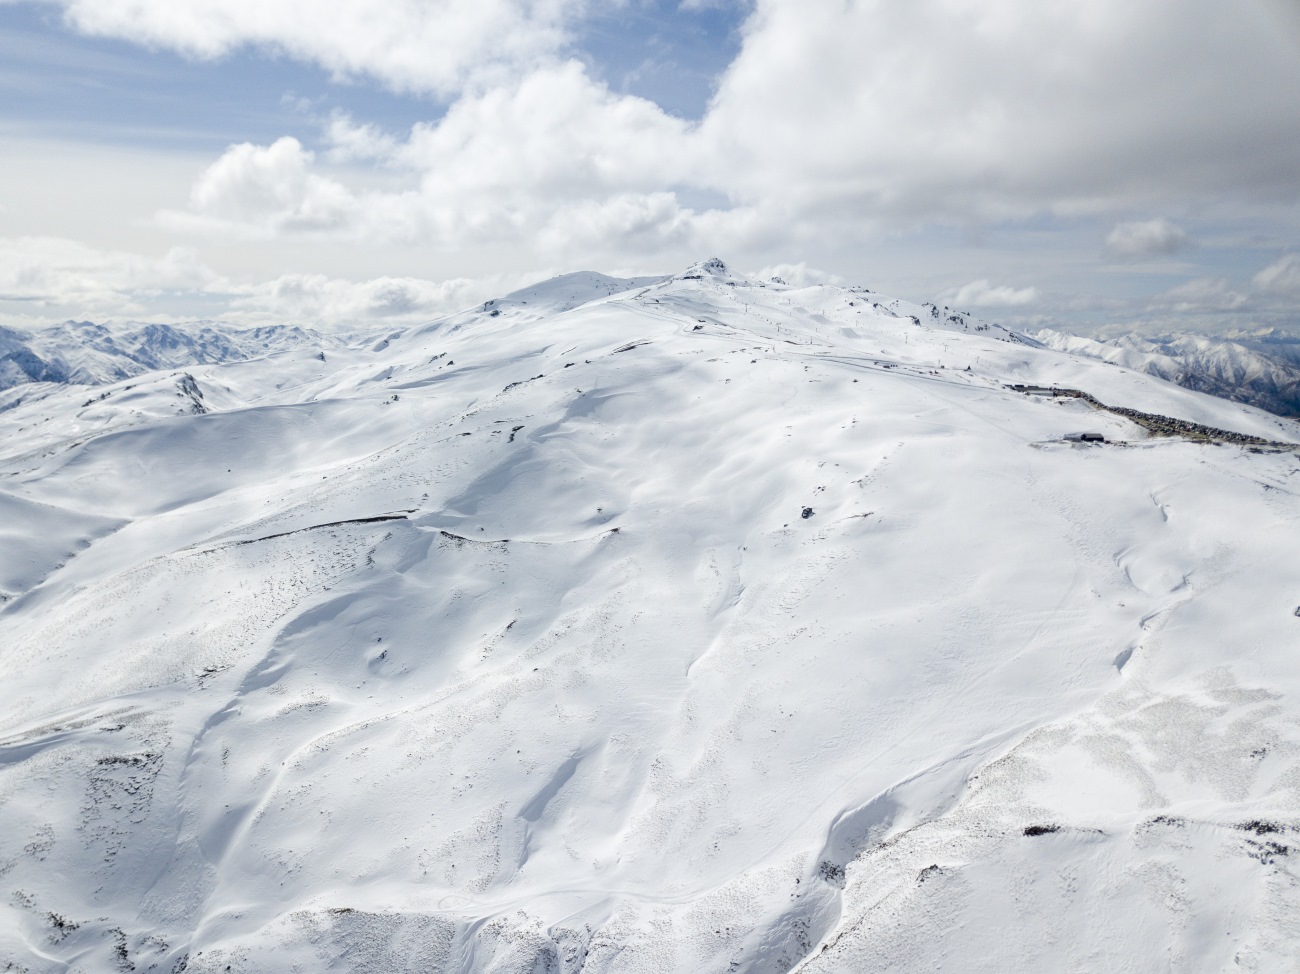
(85, 353)
(1261, 370)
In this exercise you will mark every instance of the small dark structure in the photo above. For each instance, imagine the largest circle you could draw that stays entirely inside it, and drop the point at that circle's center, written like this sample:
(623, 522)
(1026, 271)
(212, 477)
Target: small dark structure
(1086, 437)
(1034, 830)
(1036, 390)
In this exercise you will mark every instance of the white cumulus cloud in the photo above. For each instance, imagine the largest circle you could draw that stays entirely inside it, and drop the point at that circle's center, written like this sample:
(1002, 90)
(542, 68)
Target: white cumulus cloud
(1205, 295)
(52, 272)
(1148, 238)
(799, 274)
(409, 45)
(556, 159)
(835, 122)
(982, 294)
(1281, 277)
(48, 279)
(989, 109)
(331, 301)
(350, 141)
(269, 189)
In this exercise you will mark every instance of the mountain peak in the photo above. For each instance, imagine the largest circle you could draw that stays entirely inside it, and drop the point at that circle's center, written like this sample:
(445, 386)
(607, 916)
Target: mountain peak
(712, 268)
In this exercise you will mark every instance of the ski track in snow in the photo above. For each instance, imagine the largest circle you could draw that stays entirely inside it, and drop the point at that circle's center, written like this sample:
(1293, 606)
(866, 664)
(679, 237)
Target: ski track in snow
(689, 624)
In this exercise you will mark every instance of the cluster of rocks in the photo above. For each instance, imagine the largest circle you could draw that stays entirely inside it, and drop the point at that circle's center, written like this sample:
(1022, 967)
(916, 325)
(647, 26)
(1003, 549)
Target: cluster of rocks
(1157, 424)
(1169, 426)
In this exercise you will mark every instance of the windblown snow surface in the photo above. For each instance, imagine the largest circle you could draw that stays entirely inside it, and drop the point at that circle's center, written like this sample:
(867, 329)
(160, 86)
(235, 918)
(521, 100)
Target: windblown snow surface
(690, 625)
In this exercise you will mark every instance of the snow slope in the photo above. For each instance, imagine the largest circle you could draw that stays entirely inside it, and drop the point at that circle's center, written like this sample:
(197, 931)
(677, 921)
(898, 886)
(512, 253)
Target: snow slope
(696, 624)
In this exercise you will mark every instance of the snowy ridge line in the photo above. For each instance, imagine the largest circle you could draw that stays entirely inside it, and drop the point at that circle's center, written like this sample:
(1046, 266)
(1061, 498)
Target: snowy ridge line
(955, 378)
(459, 539)
(375, 519)
(76, 720)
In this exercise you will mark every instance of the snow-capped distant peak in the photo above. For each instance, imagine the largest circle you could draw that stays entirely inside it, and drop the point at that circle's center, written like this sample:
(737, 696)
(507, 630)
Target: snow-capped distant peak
(1261, 370)
(90, 353)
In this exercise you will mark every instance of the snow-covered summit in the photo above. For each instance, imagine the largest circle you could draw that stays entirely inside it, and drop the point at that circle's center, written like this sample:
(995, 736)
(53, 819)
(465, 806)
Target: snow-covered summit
(568, 291)
(674, 627)
(712, 268)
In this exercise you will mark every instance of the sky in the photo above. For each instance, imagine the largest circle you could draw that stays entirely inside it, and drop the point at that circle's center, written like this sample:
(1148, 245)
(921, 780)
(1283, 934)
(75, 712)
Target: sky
(1097, 166)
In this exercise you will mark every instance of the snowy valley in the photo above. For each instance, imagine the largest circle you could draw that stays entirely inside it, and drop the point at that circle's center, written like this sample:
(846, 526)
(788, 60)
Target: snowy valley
(687, 624)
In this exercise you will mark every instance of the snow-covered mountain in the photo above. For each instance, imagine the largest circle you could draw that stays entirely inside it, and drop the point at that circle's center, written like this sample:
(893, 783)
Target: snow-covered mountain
(698, 624)
(86, 353)
(1262, 370)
